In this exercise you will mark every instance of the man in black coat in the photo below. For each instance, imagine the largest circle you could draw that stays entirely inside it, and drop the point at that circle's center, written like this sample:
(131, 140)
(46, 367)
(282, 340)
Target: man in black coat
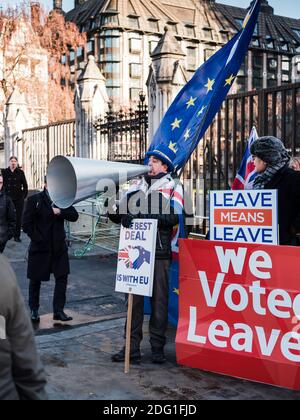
(7, 218)
(48, 253)
(16, 188)
(271, 161)
(149, 201)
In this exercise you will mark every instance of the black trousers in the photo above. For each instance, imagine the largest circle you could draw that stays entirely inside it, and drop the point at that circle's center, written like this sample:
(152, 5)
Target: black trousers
(159, 304)
(2, 247)
(19, 205)
(59, 298)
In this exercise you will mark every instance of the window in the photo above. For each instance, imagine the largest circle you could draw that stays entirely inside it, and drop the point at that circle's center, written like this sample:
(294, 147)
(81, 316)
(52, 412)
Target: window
(72, 56)
(134, 94)
(135, 45)
(190, 31)
(133, 22)
(110, 49)
(91, 46)
(272, 70)
(239, 21)
(112, 73)
(64, 59)
(241, 81)
(208, 53)
(114, 93)
(135, 70)
(297, 32)
(109, 20)
(258, 71)
(191, 58)
(207, 32)
(153, 23)
(286, 68)
(173, 27)
(225, 34)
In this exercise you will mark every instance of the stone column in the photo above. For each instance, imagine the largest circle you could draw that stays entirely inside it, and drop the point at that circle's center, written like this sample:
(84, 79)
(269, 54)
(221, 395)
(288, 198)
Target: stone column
(166, 78)
(91, 102)
(16, 119)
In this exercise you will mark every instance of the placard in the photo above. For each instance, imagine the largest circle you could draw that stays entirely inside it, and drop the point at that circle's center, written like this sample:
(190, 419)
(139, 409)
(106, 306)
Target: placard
(136, 258)
(240, 311)
(244, 216)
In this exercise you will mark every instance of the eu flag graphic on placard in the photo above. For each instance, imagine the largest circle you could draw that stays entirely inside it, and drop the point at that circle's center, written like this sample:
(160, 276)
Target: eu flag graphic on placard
(196, 105)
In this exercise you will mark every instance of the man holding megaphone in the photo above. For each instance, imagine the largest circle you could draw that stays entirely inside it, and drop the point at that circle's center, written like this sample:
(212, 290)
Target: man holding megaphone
(151, 199)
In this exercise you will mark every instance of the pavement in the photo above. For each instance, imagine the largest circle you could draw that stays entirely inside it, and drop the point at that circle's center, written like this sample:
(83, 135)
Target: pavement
(77, 356)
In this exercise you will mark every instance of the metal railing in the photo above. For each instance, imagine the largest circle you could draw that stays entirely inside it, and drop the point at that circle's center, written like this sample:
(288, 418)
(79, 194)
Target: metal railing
(41, 144)
(125, 133)
(122, 136)
(214, 164)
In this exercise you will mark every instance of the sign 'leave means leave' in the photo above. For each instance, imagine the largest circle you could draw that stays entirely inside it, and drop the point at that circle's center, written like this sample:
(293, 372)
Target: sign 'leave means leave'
(244, 216)
(240, 311)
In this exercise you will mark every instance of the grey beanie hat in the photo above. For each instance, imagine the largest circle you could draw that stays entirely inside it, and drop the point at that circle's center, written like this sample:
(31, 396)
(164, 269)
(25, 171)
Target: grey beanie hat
(269, 149)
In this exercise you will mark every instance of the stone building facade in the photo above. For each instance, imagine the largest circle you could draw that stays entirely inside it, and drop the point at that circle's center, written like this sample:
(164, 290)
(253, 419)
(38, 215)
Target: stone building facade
(123, 36)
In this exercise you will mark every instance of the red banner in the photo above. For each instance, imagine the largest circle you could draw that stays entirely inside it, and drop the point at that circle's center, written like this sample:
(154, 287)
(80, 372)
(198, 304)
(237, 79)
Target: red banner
(239, 311)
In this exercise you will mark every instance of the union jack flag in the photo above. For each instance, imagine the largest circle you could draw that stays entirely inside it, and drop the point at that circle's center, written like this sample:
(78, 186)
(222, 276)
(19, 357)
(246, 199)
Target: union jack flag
(247, 173)
(176, 195)
(124, 255)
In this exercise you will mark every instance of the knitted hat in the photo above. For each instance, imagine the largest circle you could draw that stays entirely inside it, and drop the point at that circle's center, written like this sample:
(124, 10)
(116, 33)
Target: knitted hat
(164, 154)
(269, 149)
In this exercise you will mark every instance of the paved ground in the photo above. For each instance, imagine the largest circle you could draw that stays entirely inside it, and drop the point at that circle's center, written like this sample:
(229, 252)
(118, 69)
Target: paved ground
(77, 357)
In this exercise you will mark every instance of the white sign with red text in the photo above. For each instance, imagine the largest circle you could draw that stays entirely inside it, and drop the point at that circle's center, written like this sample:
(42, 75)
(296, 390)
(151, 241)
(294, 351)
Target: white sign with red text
(240, 311)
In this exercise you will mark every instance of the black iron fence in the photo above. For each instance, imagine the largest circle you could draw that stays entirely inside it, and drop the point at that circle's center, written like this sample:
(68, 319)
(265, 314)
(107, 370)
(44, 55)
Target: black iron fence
(214, 165)
(124, 137)
(125, 132)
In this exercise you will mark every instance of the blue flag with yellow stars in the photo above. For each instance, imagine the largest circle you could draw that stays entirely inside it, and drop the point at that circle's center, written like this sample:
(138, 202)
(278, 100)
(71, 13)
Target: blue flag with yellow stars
(196, 105)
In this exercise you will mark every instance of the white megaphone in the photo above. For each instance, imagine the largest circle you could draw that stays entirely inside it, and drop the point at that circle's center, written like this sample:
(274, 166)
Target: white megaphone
(71, 180)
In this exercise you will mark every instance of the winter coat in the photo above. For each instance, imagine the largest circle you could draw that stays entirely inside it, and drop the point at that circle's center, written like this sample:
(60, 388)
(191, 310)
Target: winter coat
(154, 205)
(287, 182)
(7, 218)
(48, 251)
(21, 373)
(15, 184)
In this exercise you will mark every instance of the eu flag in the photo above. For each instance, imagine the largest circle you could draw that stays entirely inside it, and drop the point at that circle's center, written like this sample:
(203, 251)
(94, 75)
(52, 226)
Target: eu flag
(196, 105)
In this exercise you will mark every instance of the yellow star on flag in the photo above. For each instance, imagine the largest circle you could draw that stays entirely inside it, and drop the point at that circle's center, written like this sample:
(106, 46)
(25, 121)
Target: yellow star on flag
(176, 124)
(187, 134)
(229, 80)
(172, 146)
(176, 291)
(191, 102)
(201, 111)
(209, 85)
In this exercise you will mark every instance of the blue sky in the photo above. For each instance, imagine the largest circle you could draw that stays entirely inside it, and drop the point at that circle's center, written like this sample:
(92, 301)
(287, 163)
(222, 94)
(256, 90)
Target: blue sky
(289, 8)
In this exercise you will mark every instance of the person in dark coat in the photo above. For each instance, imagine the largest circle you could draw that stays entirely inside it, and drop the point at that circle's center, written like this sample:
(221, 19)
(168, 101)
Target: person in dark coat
(16, 188)
(22, 376)
(7, 218)
(152, 204)
(271, 161)
(48, 252)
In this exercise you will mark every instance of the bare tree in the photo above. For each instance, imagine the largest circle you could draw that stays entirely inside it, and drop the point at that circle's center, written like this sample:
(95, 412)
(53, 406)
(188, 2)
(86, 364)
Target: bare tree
(32, 43)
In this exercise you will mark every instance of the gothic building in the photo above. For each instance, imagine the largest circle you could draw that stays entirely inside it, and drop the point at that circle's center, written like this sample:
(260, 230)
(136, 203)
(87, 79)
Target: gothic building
(123, 34)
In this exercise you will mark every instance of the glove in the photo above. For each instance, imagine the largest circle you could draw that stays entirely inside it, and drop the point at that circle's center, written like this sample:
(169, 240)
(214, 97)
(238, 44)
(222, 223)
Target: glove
(127, 220)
